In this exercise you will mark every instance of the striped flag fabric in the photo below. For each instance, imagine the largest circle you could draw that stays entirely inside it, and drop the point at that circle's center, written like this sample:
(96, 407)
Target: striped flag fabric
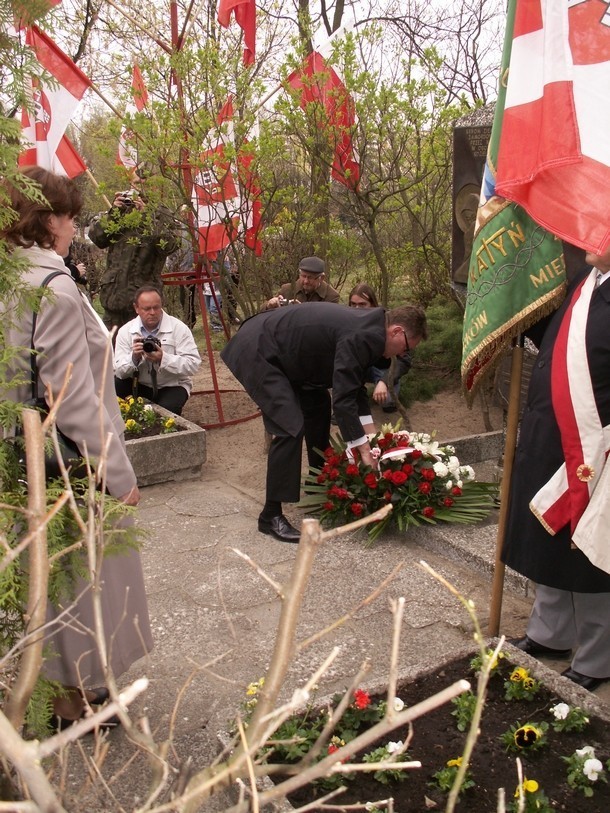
(43, 129)
(245, 17)
(128, 145)
(317, 81)
(554, 155)
(216, 198)
(517, 268)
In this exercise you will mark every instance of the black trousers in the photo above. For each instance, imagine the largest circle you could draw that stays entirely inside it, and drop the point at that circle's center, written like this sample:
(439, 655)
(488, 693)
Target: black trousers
(285, 451)
(170, 398)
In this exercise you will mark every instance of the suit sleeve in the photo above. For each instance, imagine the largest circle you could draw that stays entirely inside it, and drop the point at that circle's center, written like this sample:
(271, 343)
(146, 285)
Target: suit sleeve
(60, 339)
(355, 353)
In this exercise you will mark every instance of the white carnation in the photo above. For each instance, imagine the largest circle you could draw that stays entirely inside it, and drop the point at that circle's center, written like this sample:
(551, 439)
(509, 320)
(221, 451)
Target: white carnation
(454, 465)
(440, 470)
(467, 472)
(449, 485)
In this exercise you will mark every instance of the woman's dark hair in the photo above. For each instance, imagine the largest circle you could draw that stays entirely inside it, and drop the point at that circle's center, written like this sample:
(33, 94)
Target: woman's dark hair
(32, 224)
(366, 292)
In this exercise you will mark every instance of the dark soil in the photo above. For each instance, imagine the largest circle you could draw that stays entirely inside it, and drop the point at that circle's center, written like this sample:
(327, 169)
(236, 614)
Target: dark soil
(436, 740)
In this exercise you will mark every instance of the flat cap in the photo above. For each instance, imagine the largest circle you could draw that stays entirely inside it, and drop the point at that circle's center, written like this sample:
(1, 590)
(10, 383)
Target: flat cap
(313, 265)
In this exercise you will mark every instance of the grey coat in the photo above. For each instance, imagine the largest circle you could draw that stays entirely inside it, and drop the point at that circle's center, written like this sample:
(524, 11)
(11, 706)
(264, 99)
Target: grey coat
(68, 330)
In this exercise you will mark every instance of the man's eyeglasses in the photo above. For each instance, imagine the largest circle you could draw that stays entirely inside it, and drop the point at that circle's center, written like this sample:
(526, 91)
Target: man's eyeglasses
(407, 348)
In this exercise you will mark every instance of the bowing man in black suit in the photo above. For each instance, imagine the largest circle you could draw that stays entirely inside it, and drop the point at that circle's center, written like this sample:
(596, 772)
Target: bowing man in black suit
(284, 356)
(557, 531)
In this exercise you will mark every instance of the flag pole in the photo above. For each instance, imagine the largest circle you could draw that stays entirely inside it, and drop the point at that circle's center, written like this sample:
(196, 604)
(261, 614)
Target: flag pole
(167, 48)
(89, 175)
(106, 101)
(512, 426)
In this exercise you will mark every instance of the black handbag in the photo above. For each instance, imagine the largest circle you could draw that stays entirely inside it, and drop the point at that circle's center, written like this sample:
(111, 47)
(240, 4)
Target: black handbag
(70, 454)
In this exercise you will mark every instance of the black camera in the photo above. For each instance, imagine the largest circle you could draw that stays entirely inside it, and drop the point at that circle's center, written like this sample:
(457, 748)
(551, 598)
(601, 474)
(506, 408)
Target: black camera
(150, 344)
(127, 199)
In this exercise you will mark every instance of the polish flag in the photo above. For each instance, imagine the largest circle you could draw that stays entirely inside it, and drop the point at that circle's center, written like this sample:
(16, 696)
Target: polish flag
(128, 145)
(245, 17)
(318, 82)
(216, 197)
(44, 128)
(554, 152)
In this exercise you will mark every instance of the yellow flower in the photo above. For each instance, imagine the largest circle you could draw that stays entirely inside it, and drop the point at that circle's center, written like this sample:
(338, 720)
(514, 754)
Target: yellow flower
(252, 689)
(131, 425)
(519, 674)
(529, 786)
(529, 682)
(454, 763)
(526, 736)
(169, 423)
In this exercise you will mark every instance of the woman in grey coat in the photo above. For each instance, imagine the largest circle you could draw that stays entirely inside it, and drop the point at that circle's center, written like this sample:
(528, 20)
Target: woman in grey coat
(68, 330)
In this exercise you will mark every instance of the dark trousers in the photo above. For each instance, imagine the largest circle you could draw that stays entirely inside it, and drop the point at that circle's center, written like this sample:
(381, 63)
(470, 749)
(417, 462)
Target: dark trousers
(170, 398)
(285, 451)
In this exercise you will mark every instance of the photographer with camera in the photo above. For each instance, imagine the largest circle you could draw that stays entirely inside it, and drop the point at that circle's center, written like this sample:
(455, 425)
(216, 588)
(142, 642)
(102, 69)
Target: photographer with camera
(308, 287)
(155, 354)
(139, 239)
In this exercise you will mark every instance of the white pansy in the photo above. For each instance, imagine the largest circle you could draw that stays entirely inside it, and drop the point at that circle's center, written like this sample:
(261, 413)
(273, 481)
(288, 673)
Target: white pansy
(467, 472)
(393, 747)
(560, 711)
(148, 407)
(586, 751)
(592, 769)
(398, 704)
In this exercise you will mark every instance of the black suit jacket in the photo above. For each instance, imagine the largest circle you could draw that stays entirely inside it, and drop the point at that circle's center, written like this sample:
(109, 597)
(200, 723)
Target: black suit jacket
(529, 549)
(313, 345)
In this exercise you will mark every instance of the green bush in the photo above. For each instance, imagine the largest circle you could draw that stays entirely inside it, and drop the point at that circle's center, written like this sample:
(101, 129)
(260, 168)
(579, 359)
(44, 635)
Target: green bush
(436, 362)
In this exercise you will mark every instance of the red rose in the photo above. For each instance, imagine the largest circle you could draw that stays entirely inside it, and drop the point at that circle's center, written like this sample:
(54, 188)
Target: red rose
(388, 436)
(387, 475)
(428, 511)
(329, 452)
(456, 491)
(329, 506)
(448, 502)
(332, 748)
(362, 699)
(428, 474)
(399, 477)
(352, 470)
(370, 480)
(321, 478)
(341, 493)
(416, 454)
(356, 509)
(388, 496)
(403, 442)
(408, 469)
(425, 488)
(382, 443)
(333, 474)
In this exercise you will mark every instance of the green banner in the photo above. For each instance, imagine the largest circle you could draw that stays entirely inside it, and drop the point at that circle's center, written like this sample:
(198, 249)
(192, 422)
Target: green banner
(516, 276)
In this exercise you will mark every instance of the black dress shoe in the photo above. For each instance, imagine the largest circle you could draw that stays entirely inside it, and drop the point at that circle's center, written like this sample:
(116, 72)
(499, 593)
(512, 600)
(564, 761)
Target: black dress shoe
(534, 648)
(279, 527)
(100, 695)
(585, 681)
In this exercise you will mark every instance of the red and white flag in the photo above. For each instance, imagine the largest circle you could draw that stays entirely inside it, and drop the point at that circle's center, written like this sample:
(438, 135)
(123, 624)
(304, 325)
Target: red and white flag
(554, 152)
(44, 128)
(245, 17)
(251, 208)
(318, 82)
(128, 144)
(216, 197)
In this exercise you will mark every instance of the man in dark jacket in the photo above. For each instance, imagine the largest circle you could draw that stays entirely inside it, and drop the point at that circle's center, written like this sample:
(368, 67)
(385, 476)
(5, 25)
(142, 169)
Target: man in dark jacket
(563, 443)
(308, 287)
(282, 356)
(138, 244)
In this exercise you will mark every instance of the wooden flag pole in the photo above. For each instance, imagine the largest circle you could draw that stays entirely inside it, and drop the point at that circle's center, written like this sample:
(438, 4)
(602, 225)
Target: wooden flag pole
(89, 175)
(512, 426)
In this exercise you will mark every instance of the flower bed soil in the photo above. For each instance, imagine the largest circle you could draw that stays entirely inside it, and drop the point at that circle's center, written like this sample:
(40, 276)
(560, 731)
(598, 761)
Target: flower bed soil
(436, 740)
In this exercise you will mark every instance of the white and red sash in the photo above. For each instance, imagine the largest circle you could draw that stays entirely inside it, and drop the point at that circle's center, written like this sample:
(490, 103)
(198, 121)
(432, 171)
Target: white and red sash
(585, 444)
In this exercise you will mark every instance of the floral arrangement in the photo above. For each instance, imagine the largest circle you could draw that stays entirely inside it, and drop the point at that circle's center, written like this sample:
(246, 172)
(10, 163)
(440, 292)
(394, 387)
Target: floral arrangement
(139, 416)
(424, 481)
